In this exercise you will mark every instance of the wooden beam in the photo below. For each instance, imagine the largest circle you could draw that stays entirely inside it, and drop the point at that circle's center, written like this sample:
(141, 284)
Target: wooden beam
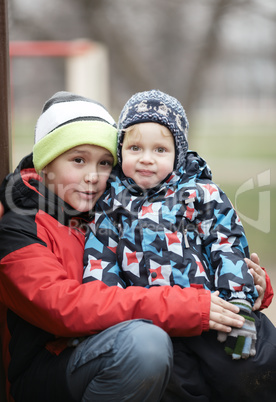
(5, 151)
(5, 160)
(50, 48)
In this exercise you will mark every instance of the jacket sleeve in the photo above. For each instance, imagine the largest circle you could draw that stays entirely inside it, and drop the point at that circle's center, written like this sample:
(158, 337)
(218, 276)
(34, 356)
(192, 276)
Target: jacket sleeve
(100, 253)
(269, 293)
(225, 244)
(38, 287)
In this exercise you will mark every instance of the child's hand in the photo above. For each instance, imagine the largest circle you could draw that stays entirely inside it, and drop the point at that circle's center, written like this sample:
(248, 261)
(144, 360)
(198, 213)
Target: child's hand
(259, 278)
(240, 343)
(223, 315)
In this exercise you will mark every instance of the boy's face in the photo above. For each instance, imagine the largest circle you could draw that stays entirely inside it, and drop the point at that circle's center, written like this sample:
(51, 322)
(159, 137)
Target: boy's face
(148, 154)
(79, 175)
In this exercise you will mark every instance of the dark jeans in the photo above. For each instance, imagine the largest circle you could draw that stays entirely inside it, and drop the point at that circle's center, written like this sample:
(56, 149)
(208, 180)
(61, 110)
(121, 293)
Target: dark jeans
(131, 361)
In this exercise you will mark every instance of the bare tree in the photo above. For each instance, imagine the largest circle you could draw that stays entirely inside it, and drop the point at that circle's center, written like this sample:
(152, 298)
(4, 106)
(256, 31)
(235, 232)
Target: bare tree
(170, 45)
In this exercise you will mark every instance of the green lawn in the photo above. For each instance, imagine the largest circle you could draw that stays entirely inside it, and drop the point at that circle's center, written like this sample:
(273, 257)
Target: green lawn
(239, 153)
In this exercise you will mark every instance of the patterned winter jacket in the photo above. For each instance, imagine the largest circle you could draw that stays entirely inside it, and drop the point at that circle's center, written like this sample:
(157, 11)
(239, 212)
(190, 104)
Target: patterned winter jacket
(184, 232)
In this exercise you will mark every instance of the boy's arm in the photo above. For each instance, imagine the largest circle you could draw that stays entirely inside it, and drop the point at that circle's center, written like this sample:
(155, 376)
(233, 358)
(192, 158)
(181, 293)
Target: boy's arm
(47, 291)
(48, 294)
(269, 293)
(261, 278)
(262, 283)
(100, 253)
(225, 244)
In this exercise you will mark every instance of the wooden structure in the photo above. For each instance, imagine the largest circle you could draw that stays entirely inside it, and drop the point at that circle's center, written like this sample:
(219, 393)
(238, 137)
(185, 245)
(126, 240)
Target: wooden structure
(5, 150)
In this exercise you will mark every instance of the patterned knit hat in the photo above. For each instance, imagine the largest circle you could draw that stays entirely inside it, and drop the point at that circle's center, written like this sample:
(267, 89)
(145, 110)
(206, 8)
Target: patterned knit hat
(157, 107)
(69, 120)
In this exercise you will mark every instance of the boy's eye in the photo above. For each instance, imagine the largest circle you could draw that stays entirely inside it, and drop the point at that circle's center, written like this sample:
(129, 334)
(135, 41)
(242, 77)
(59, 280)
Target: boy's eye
(160, 150)
(106, 163)
(134, 148)
(78, 160)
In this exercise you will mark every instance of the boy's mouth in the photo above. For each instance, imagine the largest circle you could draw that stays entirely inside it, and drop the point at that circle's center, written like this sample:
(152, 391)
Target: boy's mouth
(145, 172)
(87, 194)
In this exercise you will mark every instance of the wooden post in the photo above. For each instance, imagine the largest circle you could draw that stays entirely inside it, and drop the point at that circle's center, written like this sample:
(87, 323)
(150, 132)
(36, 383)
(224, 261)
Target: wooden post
(5, 151)
(5, 158)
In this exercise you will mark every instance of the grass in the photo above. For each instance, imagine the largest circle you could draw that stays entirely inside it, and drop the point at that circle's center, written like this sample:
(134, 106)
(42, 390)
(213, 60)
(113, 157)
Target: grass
(248, 205)
(257, 142)
(22, 139)
(238, 154)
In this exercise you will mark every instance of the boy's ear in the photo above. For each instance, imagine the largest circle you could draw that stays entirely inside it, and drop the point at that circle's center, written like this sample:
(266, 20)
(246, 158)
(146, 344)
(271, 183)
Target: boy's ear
(44, 170)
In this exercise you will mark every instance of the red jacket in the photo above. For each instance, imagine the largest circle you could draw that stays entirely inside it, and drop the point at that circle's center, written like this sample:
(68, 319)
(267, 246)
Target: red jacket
(41, 280)
(269, 293)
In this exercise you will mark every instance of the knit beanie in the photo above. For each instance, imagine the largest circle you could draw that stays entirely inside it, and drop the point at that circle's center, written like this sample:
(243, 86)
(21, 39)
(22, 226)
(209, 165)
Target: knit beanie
(157, 107)
(69, 120)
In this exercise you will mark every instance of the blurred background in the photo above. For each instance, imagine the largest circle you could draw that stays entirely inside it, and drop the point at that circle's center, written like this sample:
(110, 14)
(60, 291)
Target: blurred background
(218, 57)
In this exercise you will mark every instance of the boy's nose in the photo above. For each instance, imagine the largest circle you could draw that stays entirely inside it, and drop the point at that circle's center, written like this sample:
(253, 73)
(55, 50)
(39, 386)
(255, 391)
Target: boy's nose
(146, 157)
(92, 177)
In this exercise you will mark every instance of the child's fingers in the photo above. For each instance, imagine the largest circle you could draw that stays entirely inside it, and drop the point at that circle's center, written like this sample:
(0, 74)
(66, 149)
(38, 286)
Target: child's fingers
(255, 258)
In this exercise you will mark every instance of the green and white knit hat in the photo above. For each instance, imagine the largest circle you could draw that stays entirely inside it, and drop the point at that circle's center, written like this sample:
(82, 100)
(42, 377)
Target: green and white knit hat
(69, 120)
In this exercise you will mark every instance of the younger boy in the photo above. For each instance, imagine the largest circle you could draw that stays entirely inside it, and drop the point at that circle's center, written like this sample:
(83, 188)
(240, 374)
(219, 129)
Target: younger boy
(168, 223)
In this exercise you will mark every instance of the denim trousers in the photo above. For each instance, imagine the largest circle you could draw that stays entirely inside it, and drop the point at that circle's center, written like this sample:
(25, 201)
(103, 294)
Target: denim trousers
(131, 361)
